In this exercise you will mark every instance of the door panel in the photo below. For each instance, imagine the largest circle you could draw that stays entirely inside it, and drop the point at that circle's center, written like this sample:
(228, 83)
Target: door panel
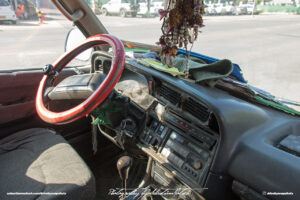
(17, 99)
(16, 111)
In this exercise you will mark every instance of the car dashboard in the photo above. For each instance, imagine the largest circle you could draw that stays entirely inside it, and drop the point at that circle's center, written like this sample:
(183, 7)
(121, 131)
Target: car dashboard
(205, 139)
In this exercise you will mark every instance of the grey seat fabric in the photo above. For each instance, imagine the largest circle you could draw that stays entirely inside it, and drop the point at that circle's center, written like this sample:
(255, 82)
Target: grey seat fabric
(37, 160)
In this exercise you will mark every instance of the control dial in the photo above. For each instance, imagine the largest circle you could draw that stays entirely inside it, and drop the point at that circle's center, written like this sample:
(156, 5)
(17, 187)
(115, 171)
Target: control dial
(197, 165)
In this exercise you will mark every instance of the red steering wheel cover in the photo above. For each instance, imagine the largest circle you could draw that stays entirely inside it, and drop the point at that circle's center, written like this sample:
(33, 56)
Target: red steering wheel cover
(99, 95)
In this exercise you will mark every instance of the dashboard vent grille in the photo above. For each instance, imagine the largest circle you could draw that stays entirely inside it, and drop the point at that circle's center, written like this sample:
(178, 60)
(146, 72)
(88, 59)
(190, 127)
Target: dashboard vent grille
(169, 94)
(196, 109)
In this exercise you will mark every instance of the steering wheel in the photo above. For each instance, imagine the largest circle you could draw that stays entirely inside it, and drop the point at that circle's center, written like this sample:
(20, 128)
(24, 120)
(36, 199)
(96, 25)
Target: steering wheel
(99, 95)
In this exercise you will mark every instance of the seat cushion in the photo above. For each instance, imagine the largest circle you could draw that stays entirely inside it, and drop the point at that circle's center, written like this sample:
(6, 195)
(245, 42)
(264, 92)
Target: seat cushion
(37, 160)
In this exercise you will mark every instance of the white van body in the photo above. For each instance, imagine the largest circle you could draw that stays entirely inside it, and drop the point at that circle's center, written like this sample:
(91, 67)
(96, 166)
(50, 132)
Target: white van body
(155, 5)
(121, 7)
(6, 12)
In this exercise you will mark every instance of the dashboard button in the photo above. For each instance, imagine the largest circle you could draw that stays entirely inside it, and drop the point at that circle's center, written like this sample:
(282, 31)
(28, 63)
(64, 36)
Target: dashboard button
(170, 143)
(165, 152)
(197, 165)
(177, 137)
(164, 133)
(145, 134)
(171, 157)
(178, 161)
(183, 152)
(195, 147)
(149, 139)
(154, 125)
(160, 129)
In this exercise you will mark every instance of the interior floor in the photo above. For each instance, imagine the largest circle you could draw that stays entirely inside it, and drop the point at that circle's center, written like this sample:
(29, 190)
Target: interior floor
(104, 168)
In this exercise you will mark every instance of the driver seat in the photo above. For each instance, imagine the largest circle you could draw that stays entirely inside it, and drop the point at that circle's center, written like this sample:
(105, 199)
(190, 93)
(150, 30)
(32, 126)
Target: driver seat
(38, 160)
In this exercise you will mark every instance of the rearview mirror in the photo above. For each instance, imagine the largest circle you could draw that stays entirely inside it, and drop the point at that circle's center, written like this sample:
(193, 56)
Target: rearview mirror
(74, 37)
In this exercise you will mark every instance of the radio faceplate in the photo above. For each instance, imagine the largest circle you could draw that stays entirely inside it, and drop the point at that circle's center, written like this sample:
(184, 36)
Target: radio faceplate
(187, 156)
(187, 148)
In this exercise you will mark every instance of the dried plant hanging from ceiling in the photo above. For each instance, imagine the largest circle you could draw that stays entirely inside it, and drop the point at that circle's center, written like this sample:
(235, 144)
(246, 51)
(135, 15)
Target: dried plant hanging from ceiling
(182, 20)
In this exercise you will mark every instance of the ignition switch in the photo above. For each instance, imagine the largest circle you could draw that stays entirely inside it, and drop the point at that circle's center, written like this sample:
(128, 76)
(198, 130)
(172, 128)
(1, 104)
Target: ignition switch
(130, 124)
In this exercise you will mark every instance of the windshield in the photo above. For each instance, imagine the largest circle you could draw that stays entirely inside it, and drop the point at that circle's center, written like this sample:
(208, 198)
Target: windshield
(263, 43)
(262, 37)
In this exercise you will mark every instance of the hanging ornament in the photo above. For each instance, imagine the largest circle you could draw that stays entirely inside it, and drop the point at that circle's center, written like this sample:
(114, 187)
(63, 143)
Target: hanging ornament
(181, 22)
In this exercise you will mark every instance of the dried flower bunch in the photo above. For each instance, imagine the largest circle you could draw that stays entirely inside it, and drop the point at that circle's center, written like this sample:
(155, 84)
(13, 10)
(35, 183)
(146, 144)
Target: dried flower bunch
(182, 19)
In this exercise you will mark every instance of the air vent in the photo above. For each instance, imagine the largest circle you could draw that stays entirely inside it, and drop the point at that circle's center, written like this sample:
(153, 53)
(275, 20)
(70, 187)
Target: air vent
(169, 94)
(196, 109)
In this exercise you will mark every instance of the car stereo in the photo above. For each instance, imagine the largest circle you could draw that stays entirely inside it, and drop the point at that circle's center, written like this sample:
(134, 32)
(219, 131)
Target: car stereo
(188, 148)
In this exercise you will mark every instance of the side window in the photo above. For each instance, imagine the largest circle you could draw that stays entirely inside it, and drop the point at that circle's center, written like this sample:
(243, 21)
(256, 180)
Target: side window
(32, 34)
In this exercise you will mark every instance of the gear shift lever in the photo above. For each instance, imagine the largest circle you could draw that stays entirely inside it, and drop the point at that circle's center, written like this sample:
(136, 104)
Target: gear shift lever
(124, 163)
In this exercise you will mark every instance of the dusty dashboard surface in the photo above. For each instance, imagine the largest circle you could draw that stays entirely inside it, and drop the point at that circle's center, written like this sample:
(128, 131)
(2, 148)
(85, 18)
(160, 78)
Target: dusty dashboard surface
(180, 133)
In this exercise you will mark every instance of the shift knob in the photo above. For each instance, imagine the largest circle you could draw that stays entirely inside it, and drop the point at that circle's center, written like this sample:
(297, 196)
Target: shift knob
(124, 163)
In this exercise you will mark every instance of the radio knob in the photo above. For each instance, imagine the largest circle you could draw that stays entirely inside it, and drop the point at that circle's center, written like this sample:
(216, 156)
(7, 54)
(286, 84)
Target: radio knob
(197, 165)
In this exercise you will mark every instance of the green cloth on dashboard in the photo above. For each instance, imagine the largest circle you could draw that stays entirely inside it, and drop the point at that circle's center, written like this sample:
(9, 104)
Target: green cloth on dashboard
(202, 72)
(277, 106)
(159, 66)
(199, 71)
